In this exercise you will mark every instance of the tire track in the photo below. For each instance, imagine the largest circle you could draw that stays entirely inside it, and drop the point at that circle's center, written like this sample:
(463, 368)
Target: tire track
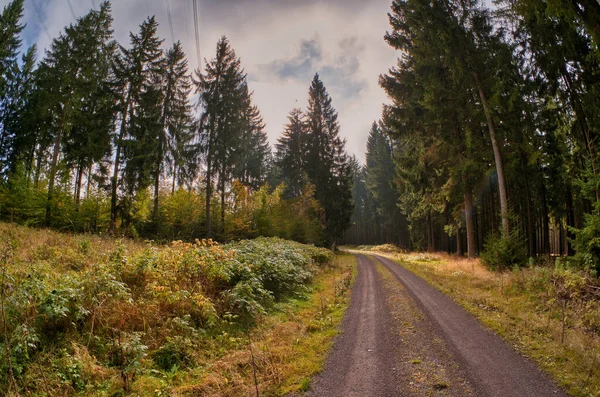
(492, 366)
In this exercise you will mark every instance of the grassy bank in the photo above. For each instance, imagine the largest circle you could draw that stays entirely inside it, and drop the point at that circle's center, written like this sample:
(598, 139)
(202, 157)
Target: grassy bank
(89, 315)
(549, 314)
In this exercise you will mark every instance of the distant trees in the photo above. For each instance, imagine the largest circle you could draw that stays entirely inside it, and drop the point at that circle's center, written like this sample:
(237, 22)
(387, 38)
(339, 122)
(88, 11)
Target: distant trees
(311, 151)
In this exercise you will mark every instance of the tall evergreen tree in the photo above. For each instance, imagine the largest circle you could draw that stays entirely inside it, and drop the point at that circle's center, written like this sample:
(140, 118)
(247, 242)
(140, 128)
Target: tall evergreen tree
(291, 154)
(138, 80)
(10, 41)
(65, 75)
(254, 154)
(327, 164)
(89, 140)
(174, 139)
(222, 89)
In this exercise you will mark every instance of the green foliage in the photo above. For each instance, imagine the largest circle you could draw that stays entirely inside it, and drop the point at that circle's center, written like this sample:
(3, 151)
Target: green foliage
(502, 253)
(587, 245)
(133, 308)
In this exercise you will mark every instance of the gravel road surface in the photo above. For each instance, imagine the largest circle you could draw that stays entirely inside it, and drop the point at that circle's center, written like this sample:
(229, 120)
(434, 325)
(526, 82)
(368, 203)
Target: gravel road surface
(402, 337)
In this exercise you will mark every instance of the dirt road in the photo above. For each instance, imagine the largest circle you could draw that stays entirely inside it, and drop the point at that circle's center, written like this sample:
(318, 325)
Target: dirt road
(402, 337)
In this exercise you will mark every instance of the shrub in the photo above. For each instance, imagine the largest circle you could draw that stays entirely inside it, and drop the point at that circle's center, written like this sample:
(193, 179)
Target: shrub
(504, 252)
(587, 245)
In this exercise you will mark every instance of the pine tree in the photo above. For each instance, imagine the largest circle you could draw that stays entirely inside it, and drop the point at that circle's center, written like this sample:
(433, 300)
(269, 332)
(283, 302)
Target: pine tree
(10, 41)
(380, 176)
(19, 116)
(138, 80)
(254, 153)
(65, 77)
(89, 140)
(222, 91)
(291, 154)
(174, 139)
(327, 164)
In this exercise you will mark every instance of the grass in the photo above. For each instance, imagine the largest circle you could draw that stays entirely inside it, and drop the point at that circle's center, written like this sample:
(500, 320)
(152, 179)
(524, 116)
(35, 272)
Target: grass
(93, 316)
(289, 347)
(550, 315)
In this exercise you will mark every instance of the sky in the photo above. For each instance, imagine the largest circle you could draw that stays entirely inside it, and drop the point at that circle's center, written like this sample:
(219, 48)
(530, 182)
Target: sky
(281, 43)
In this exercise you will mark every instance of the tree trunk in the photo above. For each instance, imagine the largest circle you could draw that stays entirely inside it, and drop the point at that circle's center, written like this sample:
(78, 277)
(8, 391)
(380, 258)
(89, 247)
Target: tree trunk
(223, 199)
(157, 179)
(78, 190)
(497, 156)
(430, 247)
(89, 181)
(208, 181)
(38, 168)
(459, 246)
(53, 165)
(471, 243)
(115, 177)
(174, 179)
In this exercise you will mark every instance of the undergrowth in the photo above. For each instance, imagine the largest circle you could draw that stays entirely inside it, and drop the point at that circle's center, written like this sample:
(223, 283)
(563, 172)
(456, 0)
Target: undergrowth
(87, 315)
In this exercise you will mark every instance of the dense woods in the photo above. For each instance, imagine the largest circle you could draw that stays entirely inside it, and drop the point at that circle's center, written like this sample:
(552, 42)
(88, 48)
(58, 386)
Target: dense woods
(488, 146)
(492, 128)
(103, 136)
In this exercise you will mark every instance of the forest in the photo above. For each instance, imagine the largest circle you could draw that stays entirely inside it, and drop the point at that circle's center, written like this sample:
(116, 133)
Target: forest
(154, 242)
(487, 146)
(97, 136)
(490, 141)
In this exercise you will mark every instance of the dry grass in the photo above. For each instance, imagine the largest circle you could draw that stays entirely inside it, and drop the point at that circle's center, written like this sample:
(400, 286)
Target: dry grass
(530, 320)
(168, 297)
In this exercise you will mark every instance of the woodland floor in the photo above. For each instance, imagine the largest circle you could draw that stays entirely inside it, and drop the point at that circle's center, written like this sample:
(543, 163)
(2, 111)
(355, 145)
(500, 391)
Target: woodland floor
(402, 337)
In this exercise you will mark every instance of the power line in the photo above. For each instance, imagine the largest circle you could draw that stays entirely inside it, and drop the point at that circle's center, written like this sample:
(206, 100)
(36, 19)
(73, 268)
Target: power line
(147, 8)
(94, 3)
(41, 18)
(185, 18)
(170, 20)
(72, 11)
(197, 33)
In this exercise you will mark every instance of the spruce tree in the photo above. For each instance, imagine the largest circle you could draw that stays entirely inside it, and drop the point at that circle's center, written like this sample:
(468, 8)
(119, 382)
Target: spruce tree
(89, 140)
(138, 72)
(174, 138)
(291, 154)
(10, 41)
(66, 77)
(222, 89)
(327, 164)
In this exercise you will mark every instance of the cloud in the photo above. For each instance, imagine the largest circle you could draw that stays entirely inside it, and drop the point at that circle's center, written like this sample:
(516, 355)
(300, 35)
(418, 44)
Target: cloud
(340, 69)
(300, 67)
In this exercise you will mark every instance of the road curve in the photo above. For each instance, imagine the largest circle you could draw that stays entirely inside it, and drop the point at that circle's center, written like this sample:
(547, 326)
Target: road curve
(368, 359)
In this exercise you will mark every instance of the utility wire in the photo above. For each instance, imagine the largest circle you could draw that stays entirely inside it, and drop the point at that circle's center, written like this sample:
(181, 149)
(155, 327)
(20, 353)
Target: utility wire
(41, 18)
(147, 8)
(72, 11)
(197, 34)
(185, 18)
(94, 3)
(170, 20)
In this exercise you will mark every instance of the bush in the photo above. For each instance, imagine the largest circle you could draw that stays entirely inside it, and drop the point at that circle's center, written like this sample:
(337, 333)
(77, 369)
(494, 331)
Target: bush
(587, 245)
(503, 253)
